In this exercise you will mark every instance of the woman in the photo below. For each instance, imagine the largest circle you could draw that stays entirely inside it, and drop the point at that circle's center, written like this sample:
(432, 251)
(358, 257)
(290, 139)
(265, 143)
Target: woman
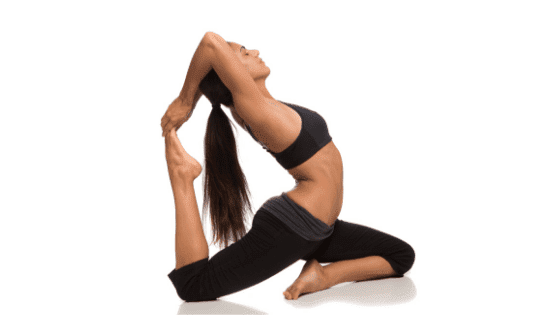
(300, 224)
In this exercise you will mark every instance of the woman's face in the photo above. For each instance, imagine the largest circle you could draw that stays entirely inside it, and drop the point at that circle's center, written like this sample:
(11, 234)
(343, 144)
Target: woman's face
(250, 59)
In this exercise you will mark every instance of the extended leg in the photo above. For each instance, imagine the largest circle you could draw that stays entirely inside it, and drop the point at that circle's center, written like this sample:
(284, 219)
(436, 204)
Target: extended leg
(263, 252)
(190, 242)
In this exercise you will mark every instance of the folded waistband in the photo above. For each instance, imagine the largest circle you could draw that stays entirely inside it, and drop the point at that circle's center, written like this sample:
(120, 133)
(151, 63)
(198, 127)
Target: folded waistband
(297, 218)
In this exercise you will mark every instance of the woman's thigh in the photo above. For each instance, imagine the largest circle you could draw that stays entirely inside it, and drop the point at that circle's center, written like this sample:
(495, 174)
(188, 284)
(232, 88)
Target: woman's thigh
(268, 248)
(353, 241)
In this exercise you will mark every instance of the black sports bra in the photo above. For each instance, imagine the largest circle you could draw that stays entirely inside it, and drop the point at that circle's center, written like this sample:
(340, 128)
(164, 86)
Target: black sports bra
(314, 135)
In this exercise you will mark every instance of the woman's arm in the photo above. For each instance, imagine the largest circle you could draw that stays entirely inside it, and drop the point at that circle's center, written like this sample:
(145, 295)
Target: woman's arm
(178, 113)
(191, 107)
(198, 69)
(183, 106)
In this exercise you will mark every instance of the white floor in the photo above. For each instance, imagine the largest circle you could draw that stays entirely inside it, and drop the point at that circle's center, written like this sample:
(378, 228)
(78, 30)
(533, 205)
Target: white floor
(445, 114)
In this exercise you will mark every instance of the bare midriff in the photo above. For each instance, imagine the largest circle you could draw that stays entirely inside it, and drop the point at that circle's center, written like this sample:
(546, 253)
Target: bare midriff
(319, 180)
(319, 186)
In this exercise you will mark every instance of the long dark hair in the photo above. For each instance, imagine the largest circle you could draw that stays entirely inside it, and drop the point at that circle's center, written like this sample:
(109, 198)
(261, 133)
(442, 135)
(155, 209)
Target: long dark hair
(225, 185)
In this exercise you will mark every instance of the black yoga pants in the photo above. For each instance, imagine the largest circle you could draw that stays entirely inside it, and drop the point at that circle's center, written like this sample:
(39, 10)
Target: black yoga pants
(270, 246)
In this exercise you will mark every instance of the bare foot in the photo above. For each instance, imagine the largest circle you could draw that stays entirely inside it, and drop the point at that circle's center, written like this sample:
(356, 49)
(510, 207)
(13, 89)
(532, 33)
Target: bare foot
(178, 160)
(311, 279)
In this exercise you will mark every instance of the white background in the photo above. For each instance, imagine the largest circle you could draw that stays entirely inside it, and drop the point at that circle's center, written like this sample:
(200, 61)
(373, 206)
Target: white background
(446, 115)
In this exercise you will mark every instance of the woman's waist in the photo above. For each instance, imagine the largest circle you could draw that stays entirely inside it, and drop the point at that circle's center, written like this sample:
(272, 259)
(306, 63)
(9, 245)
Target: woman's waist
(296, 218)
(323, 200)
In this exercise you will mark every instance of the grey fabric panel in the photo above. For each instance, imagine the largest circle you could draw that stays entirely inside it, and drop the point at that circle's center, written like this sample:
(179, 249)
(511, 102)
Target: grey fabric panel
(297, 218)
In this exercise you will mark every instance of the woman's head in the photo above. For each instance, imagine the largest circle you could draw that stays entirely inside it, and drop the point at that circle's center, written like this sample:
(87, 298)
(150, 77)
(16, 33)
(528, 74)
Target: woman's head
(251, 60)
(217, 92)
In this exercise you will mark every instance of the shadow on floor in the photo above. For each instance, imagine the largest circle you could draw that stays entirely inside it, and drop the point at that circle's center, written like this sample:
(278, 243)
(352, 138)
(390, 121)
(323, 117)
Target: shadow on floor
(383, 292)
(216, 307)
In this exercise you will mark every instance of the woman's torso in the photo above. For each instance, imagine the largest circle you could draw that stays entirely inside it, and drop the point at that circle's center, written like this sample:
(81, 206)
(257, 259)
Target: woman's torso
(319, 180)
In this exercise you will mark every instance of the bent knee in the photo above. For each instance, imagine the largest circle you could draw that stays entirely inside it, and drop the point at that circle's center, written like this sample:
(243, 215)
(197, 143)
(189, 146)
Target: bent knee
(195, 293)
(406, 257)
(402, 259)
(195, 297)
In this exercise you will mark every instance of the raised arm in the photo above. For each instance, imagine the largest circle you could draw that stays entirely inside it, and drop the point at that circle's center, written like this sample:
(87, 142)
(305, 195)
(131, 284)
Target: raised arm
(178, 113)
(214, 52)
(183, 106)
(200, 65)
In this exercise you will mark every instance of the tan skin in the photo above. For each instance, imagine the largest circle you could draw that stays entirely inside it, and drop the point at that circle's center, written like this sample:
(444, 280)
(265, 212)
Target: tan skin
(319, 180)
(319, 186)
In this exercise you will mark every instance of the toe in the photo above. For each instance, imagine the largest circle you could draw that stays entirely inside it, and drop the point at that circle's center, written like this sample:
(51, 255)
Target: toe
(295, 295)
(286, 295)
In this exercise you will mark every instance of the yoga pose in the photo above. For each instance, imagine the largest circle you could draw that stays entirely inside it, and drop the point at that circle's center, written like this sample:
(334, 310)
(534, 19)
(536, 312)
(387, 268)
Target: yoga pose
(299, 224)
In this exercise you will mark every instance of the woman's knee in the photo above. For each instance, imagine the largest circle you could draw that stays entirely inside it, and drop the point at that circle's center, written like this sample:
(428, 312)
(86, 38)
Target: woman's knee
(195, 293)
(405, 257)
(399, 254)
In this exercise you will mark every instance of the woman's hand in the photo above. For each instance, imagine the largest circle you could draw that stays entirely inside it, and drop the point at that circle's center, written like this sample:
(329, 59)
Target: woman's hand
(177, 113)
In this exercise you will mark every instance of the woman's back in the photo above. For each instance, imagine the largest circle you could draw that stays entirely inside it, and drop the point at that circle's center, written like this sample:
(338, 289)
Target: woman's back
(319, 180)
